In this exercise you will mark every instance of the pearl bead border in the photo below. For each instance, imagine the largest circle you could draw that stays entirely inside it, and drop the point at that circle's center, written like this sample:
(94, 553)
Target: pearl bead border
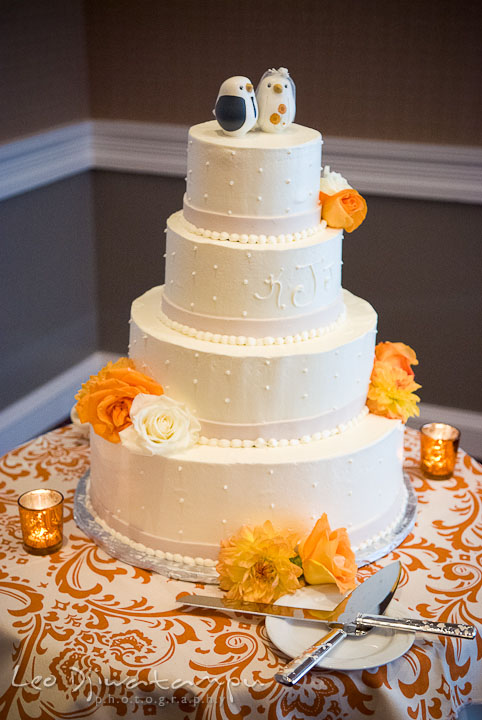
(171, 557)
(274, 443)
(254, 239)
(251, 341)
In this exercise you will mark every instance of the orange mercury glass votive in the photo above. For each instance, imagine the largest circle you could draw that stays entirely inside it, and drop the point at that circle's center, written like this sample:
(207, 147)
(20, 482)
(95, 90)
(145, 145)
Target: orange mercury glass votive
(439, 445)
(41, 518)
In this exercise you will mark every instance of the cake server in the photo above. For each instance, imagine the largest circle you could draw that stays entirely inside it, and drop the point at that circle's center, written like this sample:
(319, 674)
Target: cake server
(372, 596)
(362, 621)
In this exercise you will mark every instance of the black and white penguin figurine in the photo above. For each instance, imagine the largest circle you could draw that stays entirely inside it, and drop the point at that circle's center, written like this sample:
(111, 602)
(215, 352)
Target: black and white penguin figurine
(236, 108)
(276, 96)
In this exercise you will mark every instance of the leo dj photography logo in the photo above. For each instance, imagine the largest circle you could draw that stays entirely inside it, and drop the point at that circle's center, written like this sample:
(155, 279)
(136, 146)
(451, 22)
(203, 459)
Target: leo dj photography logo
(92, 683)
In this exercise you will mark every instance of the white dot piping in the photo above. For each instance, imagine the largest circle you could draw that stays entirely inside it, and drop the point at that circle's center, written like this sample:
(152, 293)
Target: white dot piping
(383, 533)
(172, 557)
(208, 562)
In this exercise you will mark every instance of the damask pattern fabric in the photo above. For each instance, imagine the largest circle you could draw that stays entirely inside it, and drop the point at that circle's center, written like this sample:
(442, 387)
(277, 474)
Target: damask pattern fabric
(83, 634)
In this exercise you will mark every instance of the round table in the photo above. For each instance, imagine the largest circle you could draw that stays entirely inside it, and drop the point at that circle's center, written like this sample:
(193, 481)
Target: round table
(84, 634)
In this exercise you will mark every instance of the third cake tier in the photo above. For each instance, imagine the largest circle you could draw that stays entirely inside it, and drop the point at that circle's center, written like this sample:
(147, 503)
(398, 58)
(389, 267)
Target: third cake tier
(250, 289)
(273, 393)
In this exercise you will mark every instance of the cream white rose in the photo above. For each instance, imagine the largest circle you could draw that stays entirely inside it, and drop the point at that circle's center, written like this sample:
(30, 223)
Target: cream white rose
(160, 425)
(332, 182)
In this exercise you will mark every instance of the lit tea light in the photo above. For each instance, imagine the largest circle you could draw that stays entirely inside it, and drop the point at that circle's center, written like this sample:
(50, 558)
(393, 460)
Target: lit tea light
(439, 445)
(41, 519)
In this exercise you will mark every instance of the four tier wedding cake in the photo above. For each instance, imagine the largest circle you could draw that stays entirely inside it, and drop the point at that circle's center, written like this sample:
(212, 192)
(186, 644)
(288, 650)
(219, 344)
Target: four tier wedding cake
(259, 363)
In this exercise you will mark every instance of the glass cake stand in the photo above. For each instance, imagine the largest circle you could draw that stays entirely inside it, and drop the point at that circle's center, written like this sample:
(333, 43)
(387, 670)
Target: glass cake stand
(121, 550)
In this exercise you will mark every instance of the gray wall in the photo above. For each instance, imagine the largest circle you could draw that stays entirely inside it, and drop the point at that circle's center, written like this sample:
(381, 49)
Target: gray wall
(395, 70)
(419, 263)
(48, 320)
(75, 254)
(374, 69)
(47, 269)
(43, 65)
(130, 214)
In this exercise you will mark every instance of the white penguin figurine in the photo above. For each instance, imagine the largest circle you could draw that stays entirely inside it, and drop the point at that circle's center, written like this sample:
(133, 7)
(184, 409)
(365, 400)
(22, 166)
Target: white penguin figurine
(236, 108)
(276, 96)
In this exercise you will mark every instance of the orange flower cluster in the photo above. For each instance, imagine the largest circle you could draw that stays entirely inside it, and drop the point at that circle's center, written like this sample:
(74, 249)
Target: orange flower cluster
(105, 399)
(397, 355)
(346, 209)
(260, 565)
(327, 557)
(392, 385)
(255, 565)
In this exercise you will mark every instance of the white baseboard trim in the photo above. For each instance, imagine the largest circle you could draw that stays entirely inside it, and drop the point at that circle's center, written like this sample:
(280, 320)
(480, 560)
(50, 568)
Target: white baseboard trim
(47, 405)
(51, 404)
(157, 149)
(413, 170)
(44, 158)
(467, 421)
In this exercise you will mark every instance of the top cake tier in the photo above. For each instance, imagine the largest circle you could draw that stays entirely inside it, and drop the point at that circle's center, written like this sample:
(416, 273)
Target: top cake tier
(262, 183)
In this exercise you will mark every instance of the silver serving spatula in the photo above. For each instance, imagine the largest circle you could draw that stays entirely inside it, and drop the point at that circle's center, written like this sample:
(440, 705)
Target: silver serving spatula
(372, 596)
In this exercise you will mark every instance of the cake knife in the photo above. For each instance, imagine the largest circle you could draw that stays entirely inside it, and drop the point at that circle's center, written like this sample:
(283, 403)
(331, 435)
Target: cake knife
(362, 621)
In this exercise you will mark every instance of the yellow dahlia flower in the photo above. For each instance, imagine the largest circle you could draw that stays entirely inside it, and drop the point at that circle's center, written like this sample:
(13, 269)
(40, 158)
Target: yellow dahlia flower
(392, 392)
(255, 564)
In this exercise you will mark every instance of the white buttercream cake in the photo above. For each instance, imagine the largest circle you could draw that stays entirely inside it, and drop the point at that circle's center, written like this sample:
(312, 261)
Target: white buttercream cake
(253, 332)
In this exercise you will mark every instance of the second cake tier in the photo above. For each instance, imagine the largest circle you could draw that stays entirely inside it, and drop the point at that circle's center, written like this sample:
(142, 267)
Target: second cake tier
(252, 289)
(274, 394)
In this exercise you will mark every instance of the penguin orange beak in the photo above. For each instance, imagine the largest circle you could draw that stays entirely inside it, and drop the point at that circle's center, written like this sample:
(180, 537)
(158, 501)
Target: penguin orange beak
(278, 88)
(249, 87)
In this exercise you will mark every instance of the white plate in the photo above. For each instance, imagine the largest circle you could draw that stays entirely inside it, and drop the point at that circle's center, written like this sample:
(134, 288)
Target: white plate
(376, 648)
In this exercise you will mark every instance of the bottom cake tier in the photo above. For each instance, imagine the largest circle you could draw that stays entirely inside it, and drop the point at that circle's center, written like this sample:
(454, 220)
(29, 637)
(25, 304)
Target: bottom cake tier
(180, 506)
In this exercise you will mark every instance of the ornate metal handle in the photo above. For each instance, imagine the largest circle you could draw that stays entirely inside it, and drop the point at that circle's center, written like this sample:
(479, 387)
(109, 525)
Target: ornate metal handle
(297, 668)
(440, 628)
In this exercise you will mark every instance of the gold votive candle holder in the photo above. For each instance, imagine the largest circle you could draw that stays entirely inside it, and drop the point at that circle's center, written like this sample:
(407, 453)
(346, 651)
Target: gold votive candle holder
(41, 519)
(439, 445)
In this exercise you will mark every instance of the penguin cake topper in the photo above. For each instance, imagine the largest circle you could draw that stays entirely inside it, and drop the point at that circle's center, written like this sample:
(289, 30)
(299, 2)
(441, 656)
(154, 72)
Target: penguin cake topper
(236, 109)
(276, 96)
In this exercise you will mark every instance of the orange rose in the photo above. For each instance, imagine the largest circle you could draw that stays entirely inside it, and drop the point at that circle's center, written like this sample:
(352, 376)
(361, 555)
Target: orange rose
(105, 400)
(327, 557)
(346, 209)
(397, 355)
(122, 362)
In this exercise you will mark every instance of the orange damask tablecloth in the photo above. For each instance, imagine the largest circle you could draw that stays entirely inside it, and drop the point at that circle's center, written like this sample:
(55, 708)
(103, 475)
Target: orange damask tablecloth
(83, 634)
